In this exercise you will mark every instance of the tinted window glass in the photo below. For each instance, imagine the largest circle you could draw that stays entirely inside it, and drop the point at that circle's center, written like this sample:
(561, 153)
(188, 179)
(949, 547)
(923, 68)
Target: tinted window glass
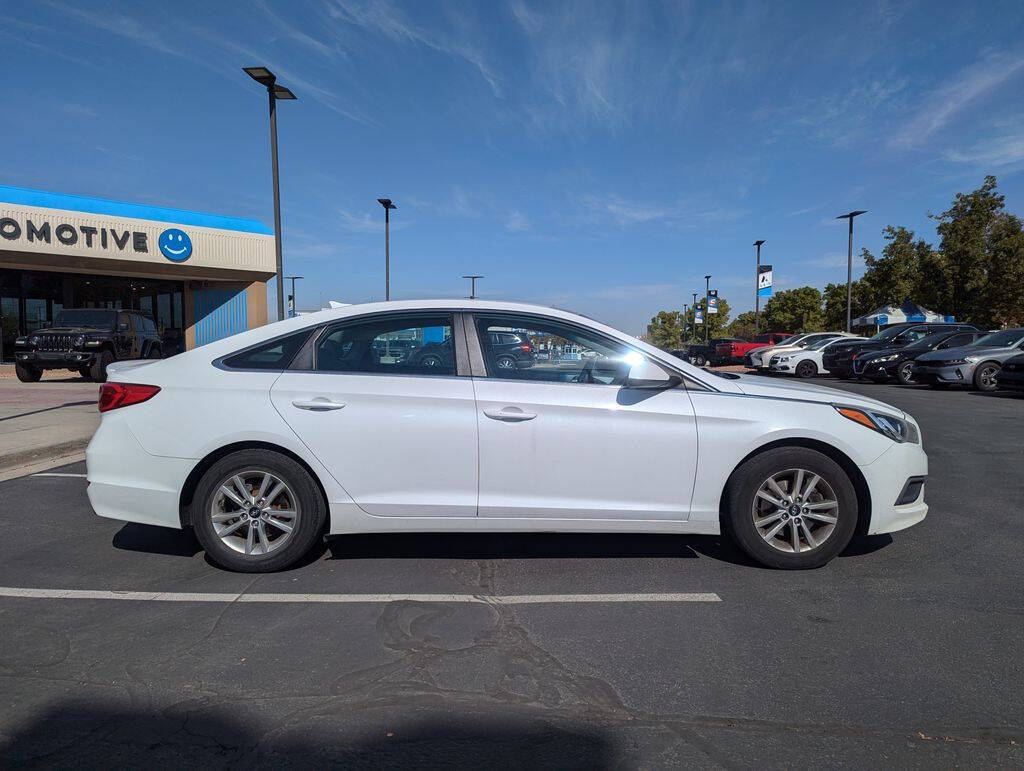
(1003, 339)
(957, 340)
(394, 345)
(535, 348)
(277, 354)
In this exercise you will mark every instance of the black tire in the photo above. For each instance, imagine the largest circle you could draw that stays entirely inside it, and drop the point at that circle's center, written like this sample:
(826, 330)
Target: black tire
(154, 352)
(985, 376)
(85, 373)
(905, 373)
(806, 368)
(431, 361)
(27, 373)
(310, 505)
(98, 370)
(506, 363)
(748, 478)
(699, 360)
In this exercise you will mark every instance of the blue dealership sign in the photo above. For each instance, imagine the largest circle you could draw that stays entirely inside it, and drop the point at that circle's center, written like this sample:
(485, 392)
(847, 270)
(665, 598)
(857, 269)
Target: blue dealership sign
(175, 245)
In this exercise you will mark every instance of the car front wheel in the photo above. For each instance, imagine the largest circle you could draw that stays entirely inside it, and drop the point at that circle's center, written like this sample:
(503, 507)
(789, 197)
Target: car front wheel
(985, 377)
(806, 369)
(98, 370)
(905, 373)
(27, 373)
(257, 511)
(791, 508)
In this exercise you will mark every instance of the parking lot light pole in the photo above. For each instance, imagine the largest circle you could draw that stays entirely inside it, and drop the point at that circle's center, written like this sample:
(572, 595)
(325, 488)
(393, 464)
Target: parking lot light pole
(694, 307)
(757, 284)
(686, 323)
(707, 316)
(275, 91)
(388, 206)
(295, 304)
(849, 266)
(472, 286)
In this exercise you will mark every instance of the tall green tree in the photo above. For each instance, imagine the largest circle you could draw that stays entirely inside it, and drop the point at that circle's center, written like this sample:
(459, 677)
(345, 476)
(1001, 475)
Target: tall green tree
(896, 275)
(742, 326)
(795, 310)
(834, 312)
(666, 330)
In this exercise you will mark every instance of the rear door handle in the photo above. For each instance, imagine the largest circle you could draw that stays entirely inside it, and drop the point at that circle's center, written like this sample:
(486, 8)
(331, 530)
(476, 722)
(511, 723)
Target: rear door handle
(510, 414)
(319, 404)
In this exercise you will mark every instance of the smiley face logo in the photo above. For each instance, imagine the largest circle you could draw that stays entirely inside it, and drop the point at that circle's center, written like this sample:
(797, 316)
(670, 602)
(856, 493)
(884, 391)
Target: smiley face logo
(175, 245)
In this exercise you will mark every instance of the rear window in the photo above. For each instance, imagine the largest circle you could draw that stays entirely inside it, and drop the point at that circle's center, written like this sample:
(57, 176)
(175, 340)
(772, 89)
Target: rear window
(277, 354)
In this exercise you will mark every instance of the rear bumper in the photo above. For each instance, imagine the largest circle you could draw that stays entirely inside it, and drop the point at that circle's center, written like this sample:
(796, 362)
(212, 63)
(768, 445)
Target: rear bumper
(129, 484)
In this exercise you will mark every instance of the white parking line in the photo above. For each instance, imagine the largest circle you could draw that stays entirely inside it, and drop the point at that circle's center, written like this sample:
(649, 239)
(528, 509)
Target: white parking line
(507, 599)
(55, 474)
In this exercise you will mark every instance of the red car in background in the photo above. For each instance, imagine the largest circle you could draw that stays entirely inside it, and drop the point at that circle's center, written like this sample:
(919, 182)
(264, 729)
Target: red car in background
(733, 353)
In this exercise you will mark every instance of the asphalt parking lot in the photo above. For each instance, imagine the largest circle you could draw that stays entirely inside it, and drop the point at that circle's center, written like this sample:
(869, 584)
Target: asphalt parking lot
(904, 651)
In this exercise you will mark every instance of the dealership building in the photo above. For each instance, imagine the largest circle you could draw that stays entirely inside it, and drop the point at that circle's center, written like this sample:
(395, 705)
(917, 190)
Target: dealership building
(200, 276)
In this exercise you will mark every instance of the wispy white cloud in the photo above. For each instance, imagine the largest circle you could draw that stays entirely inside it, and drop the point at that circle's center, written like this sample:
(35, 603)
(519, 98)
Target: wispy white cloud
(384, 18)
(624, 213)
(833, 260)
(808, 210)
(517, 222)
(1000, 151)
(942, 105)
(531, 21)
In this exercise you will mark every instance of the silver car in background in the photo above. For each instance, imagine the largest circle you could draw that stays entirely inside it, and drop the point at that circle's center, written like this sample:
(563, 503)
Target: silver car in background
(975, 365)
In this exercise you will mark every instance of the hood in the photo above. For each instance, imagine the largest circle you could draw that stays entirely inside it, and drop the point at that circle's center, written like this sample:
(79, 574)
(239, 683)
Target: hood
(910, 350)
(70, 331)
(754, 385)
(964, 351)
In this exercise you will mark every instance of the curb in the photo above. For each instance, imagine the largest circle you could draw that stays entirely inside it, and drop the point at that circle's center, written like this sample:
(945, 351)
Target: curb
(35, 455)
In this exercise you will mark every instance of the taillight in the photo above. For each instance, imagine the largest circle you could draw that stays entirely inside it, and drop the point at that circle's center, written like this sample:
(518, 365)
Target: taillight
(114, 395)
(526, 348)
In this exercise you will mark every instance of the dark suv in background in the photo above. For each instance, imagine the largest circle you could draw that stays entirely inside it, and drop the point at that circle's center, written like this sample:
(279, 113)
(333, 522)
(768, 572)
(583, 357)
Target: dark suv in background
(86, 340)
(838, 359)
(510, 350)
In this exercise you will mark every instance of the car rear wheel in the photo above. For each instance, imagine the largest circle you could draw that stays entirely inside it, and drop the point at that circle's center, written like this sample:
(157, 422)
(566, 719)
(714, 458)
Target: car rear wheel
(905, 373)
(257, 511)
(85, 373)
(154, 352)
(985, 376)
(791, 508)
(506, 363)
(699, 360)
(27, 373)
(98, 370)
(430, 361)
(806, 368)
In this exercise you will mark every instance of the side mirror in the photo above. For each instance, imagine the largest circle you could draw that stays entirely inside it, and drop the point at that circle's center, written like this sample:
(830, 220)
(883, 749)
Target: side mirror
(644, 373)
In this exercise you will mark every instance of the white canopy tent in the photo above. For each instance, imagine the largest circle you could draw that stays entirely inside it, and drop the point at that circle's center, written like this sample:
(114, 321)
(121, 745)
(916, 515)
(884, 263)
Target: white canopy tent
(899, 314)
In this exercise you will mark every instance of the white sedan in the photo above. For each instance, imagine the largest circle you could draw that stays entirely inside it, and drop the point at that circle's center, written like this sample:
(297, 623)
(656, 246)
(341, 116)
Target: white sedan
(806, 362)
(406, 416)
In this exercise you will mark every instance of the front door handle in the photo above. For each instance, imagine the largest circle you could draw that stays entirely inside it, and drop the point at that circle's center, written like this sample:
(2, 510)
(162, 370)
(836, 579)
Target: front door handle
(510, 414)
(319, 404)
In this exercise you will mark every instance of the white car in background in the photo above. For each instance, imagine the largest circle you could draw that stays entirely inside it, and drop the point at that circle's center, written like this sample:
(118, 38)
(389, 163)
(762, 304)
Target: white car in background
(264, 442)
(760, 357)
(806, 362)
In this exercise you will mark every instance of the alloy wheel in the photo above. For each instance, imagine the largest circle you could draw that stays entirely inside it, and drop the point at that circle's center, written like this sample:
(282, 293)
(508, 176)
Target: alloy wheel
(987, 377)
(905, 373)
(795, 510)
(254, 512)
(506, 362)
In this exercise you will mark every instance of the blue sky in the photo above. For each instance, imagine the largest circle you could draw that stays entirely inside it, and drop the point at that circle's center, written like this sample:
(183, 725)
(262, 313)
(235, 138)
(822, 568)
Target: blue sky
(596, 156)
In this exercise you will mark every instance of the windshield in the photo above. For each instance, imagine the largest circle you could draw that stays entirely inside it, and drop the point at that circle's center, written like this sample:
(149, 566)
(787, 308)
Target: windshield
(887, 334)
(92, 319)
(932, 340)
(1004, 339)
(823, 342)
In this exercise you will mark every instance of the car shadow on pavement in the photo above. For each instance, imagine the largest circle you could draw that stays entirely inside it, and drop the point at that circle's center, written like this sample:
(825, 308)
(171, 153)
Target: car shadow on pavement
(156, 540)
(50, 409)
(104, 734)
(999, 394)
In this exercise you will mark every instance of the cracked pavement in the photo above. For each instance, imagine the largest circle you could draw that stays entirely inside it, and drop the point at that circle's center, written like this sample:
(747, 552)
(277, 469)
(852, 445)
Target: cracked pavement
(904, 651)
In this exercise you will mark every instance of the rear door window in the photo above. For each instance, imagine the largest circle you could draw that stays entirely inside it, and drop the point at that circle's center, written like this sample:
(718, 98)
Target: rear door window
(417, 344)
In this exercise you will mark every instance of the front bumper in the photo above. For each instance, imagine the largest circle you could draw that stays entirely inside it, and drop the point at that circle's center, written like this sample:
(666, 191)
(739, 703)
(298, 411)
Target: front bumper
(55, 359)
(875, 369)
(1011, 380)
(887, 478)
(961, 374)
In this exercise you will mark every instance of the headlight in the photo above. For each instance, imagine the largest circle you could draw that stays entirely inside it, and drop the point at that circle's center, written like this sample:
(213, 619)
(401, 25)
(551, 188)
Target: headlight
(957, 361)
(890, 357)
(971, 359)
(33, 340)
(79, 341)
(783, 358)
(20, 340)
(897, 429)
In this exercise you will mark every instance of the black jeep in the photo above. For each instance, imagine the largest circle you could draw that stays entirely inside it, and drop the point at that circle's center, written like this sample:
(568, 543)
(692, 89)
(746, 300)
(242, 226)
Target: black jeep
(86, 341)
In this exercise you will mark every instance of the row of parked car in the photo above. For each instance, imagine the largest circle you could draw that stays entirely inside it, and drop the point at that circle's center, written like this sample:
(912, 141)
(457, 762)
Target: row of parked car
(936, 354)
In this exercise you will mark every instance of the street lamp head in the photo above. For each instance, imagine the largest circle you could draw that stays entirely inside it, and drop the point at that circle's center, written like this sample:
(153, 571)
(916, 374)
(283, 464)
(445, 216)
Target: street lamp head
(851, 215)
(472, 276)
(706, 277)
(261, 75)
(295, 278)
(758, 243)
(386, 203)
(280, 92)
